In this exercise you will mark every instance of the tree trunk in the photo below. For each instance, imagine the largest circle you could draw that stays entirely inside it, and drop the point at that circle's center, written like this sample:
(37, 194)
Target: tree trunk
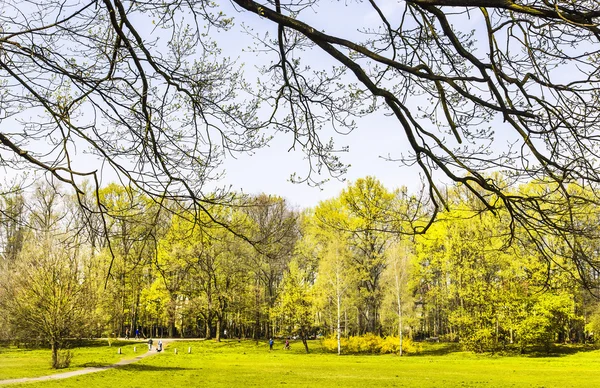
(171, 310)
(303, 335)
(257, 316)
(54, 345)
(339, 329)
(400, 328)
(345, 322)
(218, 332)
(207, 330)
(399, 302)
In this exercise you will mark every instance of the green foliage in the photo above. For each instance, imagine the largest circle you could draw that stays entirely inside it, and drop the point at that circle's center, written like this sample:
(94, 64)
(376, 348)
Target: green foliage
(593, 325)
(47, 295)
(480, 340)
(294, 306)
(486, 294)
(549, 316)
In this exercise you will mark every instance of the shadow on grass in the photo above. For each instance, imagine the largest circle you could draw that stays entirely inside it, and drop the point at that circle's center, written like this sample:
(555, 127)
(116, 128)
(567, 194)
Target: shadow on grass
(152, 368)
(100, 343)
(68, 344)
(557, 350)
(446, 348)
(93, 365)
(438, 349)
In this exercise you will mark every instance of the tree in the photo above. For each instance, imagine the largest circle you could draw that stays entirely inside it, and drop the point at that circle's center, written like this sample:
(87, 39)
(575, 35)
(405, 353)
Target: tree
(500, 75)
(13, 220)
(546, 318)
(48, 296)
(273, 228)
(155, 126)
(204, 266)
(398, 275)
(475, 289)
(294, 306)
(132, 226)
(334, 277)
(363, 213)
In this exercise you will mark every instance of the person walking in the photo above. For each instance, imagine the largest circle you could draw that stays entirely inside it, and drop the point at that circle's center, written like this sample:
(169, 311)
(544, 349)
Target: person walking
(159, 346)
(271, 344)
(149, 344)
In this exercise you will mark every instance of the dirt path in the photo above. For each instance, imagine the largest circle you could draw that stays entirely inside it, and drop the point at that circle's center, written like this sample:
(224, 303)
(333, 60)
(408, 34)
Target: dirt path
(84, 371)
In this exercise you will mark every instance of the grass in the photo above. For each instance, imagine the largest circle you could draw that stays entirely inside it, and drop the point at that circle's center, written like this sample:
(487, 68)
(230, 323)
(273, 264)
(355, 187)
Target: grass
(23, 362)
(230, 364)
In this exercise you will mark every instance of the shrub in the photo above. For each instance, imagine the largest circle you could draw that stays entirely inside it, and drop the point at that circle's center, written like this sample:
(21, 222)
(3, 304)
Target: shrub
(330, 343)
(63, 359)
(481, 340)
(370, 344)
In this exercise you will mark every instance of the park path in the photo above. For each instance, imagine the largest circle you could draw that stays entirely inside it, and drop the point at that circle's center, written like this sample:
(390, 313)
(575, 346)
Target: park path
(85, 371)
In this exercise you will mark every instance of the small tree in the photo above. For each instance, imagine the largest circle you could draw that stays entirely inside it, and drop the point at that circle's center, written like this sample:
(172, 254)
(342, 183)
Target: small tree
(48, 295)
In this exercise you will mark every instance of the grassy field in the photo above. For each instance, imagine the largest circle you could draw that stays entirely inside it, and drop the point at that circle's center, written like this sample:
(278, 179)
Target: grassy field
(20, 362)
(230, 364)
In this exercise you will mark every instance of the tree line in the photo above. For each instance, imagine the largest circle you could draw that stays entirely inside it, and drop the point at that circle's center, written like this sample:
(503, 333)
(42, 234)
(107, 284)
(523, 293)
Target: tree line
(350, 266)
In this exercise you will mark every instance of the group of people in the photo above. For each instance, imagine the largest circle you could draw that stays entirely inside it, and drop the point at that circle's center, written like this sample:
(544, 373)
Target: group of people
(285, 347)
(159, 346)
(137, 333)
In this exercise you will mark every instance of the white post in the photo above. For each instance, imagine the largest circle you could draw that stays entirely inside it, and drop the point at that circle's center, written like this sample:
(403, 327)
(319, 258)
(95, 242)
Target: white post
(175, 350)
(134, 349)
(189, 350)
(119, 350)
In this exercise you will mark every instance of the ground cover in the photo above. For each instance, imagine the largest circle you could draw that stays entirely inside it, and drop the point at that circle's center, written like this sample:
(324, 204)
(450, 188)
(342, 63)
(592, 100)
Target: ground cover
(20, 362)
(232, 363)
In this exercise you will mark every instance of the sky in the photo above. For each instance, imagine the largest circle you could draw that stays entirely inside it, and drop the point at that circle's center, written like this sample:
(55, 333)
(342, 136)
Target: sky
(376, 136)
(268, 170)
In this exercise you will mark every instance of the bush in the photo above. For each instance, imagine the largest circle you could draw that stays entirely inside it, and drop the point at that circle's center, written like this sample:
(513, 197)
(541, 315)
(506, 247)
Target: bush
(370, 344)
(330, 343)
(63, 359)
(481, 340)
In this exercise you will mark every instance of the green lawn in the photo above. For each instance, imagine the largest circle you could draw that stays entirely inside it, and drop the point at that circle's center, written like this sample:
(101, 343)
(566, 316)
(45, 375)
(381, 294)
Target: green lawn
(19, 362)
(230, 364)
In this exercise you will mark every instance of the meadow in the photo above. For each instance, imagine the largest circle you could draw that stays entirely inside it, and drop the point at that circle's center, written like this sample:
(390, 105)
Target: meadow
(17, 362)
(233, 363)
